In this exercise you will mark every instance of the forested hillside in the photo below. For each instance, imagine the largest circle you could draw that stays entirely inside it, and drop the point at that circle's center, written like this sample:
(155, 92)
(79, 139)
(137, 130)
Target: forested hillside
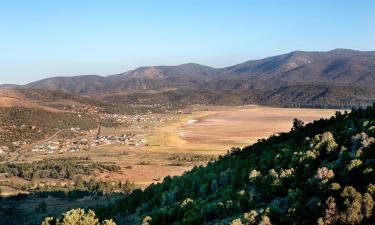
(318, 173)
(19, 124)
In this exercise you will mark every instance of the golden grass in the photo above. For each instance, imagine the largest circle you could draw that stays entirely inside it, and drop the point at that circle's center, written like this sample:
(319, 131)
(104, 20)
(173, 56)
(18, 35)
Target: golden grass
(218, 130)
(214, 132)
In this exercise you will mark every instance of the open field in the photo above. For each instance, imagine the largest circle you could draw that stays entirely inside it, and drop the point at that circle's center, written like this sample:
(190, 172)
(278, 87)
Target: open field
(186, 140)
(217, 130)
(243, 126)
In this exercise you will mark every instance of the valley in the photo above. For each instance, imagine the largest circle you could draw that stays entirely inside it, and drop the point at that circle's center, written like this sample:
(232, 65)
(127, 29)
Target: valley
(151, 146)
(60, 150)
(131, 151)
(187, 113)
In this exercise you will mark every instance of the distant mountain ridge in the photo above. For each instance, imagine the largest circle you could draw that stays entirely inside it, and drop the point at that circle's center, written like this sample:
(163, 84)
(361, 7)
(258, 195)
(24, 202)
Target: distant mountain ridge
(337, 78)
(339, 66)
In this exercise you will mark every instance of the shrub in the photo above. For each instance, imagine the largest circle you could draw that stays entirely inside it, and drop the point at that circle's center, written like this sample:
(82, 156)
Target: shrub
(77, 217)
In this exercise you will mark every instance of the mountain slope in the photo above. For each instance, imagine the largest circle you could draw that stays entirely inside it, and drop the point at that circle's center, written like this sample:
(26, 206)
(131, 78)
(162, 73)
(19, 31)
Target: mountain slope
(293, 178)
(339, 66)
(337, 78)
(77, 84)
(319, 173)
(143, 78)
(318, 95)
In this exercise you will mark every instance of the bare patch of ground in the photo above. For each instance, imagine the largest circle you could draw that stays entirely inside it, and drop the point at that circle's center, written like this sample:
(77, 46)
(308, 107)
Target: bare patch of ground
(241, 127)
(210, 132)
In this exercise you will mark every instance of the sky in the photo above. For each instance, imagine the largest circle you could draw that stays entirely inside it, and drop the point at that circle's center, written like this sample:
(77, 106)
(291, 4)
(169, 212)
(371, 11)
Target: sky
(40, 39)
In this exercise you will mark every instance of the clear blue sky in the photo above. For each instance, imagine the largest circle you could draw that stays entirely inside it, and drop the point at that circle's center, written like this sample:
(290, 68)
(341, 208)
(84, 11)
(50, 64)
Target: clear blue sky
(41, 39)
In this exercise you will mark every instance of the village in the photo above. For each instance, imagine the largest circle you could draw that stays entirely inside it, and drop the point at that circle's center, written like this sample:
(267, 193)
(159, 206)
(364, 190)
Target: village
(76, 139)
(85, 144)
(138, 121)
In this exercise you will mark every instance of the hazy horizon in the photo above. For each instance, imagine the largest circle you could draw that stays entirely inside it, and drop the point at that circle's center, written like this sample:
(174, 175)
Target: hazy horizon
(42, 39)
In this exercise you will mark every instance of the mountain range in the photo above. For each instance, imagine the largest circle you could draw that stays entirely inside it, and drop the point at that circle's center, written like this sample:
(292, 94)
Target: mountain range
(337, 77)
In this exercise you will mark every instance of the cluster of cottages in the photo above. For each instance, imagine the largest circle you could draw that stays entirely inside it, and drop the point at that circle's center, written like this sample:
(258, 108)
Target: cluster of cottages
(80, 108)
(74, 129)
(18, 144)
(85, 144)
(59, 146)
(127, 139)
(136, 121)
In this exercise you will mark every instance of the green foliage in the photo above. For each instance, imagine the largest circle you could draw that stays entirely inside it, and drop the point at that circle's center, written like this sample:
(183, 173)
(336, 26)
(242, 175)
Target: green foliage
(330, 212)
(77, 217)
(146, 221)
(371, 189)
(254, 174)
(354, 164)
(265, 220)
(42, 207)
(20, 124)
(250, 217)
(318, 173)
(186, 202)
(236, 222)
(56, 168)
(297, 124)
(335, 186)
(352, 206)
(368, 205)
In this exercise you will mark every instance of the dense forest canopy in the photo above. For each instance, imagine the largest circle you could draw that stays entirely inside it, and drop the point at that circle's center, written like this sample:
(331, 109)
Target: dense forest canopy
(318, 173)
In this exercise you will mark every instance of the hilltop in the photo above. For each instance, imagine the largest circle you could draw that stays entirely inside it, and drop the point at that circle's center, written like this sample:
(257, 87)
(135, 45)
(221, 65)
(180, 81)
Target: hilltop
(337, 78)
(339, 66)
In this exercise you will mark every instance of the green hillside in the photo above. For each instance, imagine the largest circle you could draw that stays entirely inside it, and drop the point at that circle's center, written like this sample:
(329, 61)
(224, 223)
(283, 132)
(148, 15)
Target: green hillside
(318, 173)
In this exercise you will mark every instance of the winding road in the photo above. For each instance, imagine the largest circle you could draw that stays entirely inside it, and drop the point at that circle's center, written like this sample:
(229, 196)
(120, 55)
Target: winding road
(31, 146)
